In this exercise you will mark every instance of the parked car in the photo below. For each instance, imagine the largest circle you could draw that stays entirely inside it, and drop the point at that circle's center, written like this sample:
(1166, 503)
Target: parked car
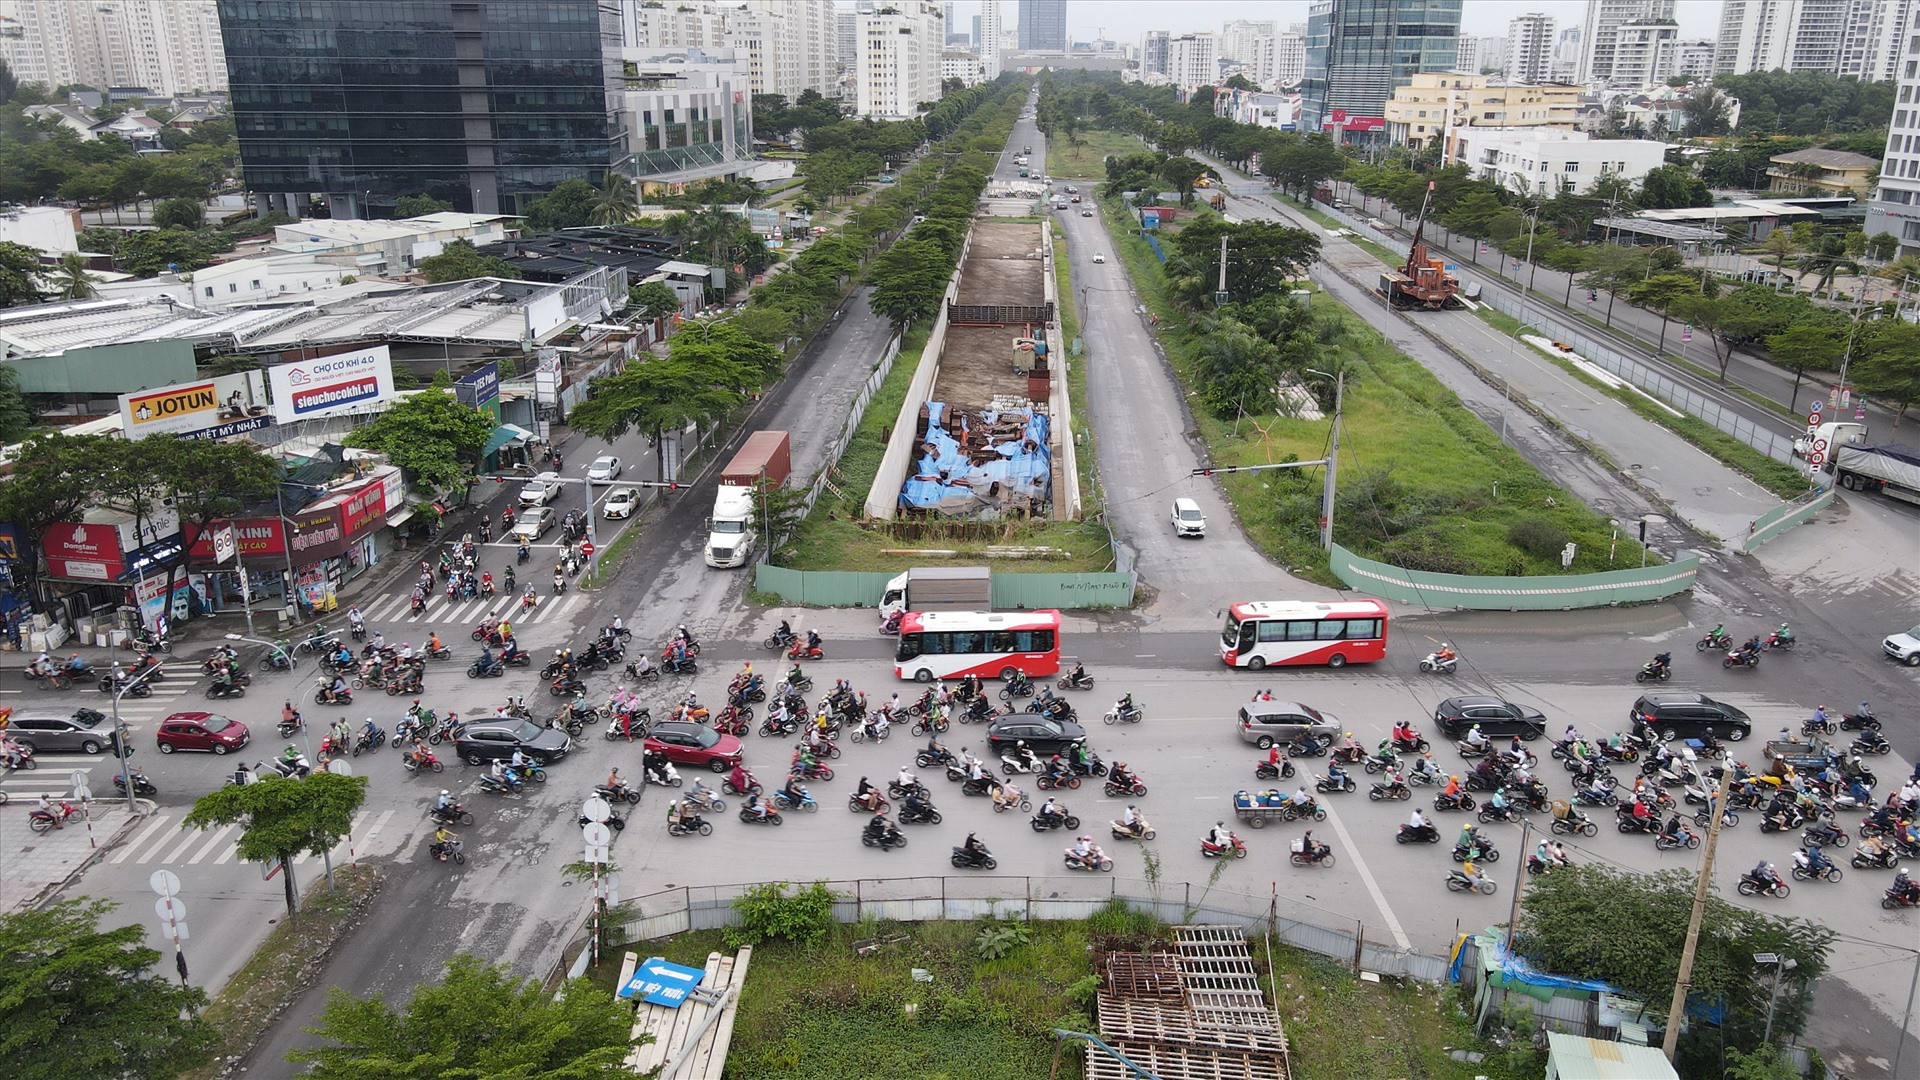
(534, 523)
(621, 504)
(1904, 647)
(85, 731)
(1681, 714)
(1265, 723)
(541, 490)
(488, 740)
(604, 470)
(1042, 735)
(1187, 518)
(694, 744)
(200, 731)
(1494, 716)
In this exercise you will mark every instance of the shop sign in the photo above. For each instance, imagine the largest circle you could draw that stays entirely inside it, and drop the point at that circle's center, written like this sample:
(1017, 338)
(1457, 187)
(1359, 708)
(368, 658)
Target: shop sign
(367, 505)
(344, 382)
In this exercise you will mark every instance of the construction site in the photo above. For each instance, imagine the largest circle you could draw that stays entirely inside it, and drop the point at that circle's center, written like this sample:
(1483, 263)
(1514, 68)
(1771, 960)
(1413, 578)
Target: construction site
(980, 435)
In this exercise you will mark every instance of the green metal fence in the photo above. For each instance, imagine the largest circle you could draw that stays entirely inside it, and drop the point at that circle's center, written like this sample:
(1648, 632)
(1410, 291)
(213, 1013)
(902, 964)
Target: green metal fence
(1783, 517)
(1481, 593)
(821, 588)
(1011, 592)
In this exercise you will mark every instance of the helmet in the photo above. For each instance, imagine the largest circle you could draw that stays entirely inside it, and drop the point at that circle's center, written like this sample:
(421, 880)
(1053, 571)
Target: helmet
(444, 791)
(1131, 806)
(1088, 839)
(416, 701)
(1020, 745)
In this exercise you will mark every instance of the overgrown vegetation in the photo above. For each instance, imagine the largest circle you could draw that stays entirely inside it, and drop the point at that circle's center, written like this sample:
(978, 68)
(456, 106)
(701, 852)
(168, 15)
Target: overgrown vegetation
(769, 912)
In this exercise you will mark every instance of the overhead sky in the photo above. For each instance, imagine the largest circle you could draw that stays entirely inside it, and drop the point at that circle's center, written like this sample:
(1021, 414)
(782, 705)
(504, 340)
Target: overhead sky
(1126, 20)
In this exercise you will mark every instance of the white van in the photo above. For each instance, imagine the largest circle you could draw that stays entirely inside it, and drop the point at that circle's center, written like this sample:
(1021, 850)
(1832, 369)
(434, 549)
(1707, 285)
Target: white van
(1187, 518)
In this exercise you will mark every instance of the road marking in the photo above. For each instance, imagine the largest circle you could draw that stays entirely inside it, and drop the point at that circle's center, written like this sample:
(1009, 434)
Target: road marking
(126, 849)
(192, 837)
(207, 849)
(1366, 878)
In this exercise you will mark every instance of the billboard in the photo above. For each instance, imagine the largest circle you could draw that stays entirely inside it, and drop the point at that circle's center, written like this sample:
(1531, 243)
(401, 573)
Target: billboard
(480, 387)
(1339, 118)
(235, 402)
(344, 382)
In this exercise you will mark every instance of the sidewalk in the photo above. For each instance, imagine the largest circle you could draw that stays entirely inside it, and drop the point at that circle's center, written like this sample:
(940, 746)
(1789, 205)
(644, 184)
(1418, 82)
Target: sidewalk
(38, 865)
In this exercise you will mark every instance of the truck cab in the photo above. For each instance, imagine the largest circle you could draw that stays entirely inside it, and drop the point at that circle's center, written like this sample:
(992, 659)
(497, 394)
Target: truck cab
(730, 530)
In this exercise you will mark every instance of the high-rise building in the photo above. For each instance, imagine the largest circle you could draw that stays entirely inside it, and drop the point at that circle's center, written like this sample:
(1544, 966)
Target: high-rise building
(1153, 52)
(847, 25)
(1694, 59)
(474, 109)
(1602, 29)
(1644, 52)
(701, 25)
(1466, 54)
(1193, 60)
(1359, 50)
(1530, 40)
(1493, 54)
(1567, 53)
(1043, 25)
(1289, 59)
(167, 47)
(1894, 208)
(987, 32)
(1237, 37)
(685, 115)
(899, 49)
(1858, 39)
(789, 45)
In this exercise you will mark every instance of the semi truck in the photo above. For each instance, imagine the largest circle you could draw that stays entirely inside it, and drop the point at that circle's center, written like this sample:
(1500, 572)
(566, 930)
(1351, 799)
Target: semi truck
(938, 588)
(762, 464)
(1891, 469)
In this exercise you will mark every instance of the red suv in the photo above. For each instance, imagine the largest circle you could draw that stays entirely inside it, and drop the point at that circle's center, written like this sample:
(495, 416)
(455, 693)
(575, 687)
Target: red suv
(200, 731)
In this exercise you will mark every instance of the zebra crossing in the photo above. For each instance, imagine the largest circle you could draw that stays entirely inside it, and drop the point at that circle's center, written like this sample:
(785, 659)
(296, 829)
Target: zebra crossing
(138, 714)
(163, 841)
(454, 619)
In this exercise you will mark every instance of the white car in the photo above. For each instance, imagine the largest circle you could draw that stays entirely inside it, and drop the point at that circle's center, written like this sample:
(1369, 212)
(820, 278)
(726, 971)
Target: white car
(621, 504)
(604, 470)
(1088, 212)
(1099, 256)
(543, 489)
(1187, 518)
(534, 523)
(1904, 647)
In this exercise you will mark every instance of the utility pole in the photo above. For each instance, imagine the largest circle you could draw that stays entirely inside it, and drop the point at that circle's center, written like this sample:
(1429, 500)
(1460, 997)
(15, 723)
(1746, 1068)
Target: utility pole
(1220, 290)
(1677, 1008)
(1519, 881)
(1333, 466)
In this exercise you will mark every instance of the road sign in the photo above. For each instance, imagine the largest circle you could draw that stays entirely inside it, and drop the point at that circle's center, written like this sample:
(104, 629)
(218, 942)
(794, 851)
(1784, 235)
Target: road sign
(1813, 419)
(1815, 408)
(171, 909)
(595, 809)
(661, 983)
(165, 882)
(596, 834)
(1819, 444)
(586, 548)
(1816, 458)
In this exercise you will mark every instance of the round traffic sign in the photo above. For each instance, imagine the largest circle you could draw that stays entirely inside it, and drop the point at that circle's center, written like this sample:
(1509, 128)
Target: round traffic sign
(1815, 405)
(586, 547)
(596, 834)
(1819, 444)
(1816, 458)
(77, 778)
(595, 808)
(170, 909)
(165, 882)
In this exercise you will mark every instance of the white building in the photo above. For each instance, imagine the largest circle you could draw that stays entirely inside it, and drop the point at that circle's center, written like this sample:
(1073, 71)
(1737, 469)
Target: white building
(1567, 53)
(1858, 39)
(1872, 48)
(1259, 108)
(262, 277)
(847, 29)
(962, 65)
(1601, 30)
(1694, 59)
(1237, 37)
(1895, 207)
(989, 44)
(1644, 53)
(1467, 54)
(1153, 52)
(789, 45)
(1551, 160)
(387, 248)
(1530, 41)
(1289, 59)
(811, 33)
(166, 46)
(899, 59)
(49, 230)
(686, 114)
(680, 25)
(1193, 60)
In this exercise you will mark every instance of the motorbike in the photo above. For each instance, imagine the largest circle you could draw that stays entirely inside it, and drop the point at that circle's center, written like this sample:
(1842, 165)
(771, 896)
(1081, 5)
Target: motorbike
(1386, 761)
(142, 786)
(1741, 660)
(1234, 847)
(480, 669)
(926, 815)
(222, 690)
(292, 768)
(1041, 822)
(857, 805)
(1859, 722)
(1884, 859)
(1101, 864)
(778, 640)
(1822, 835)
(624, 793)
(929, 759)
(324, 695)
(430, 763)
(1132, 788)
(1481, 850)
(1537, 865)
(131, 687)
(1047, 781)
(1803, 869)
(1870, 742)
(1685, 839)
(1595, 796)
(1574, 823)
(1895, 898)
(1653, 671)
(365, 741)
(1471, 750)
(693, 826)
(1388, 792)
(1329, 784)
(982, 859)
(800, 650)
(501, 786)
(1068, 682)
(1714, 641)
(1435, 664)
(675, 666)
(1462, 801)
(664, 775)
(1780, 639)
(1117, 714)
(564, 686)
(1269, 771)
(1017, 687)
(1415, 745)
(1814, 725)
(1769, 886)
(444, 652)
(1140, 830)
(454, 814)
(452, 849)
(1425, 834)
(885, 841)
(1461, 881)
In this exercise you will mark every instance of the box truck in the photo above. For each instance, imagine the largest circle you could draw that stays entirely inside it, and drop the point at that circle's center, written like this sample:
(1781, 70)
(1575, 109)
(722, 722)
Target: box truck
(938, 588)
(763, 463)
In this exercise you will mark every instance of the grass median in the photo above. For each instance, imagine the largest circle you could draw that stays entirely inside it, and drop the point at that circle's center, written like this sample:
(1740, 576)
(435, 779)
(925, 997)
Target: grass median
(1086, 159)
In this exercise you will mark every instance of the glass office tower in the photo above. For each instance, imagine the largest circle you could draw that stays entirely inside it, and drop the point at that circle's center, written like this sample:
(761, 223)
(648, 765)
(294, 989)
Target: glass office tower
(487, 104)
(1359, 50)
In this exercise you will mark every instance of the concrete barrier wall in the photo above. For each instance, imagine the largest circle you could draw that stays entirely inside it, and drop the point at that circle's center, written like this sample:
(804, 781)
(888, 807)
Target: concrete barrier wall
(1481, 593)
(883, 499)
(1011, 592)
(1066, 492)
(1783, 517)
(822, 588)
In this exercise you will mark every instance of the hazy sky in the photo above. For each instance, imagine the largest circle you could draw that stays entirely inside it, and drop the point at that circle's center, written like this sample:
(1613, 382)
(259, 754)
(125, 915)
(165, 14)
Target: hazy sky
(1127, 20)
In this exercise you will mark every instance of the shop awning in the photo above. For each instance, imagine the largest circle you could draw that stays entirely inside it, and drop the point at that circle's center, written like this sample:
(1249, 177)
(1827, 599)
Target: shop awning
(399, 517)
(506, 434)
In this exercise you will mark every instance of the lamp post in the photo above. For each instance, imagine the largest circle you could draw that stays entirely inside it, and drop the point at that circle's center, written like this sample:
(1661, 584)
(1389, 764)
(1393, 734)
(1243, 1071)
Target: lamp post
(1780, 963)
(1333, 458)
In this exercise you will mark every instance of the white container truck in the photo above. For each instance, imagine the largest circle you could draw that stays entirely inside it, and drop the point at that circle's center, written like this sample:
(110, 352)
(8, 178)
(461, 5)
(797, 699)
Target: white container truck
(763, 462)
(1891, 469)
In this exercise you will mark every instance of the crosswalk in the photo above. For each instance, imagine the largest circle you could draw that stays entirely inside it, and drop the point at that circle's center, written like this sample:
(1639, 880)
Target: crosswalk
(456, 618)
(173, 694)
(163, 841)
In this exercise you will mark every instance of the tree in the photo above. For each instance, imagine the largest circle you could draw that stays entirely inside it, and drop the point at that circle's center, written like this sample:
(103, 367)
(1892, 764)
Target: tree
(84, 1003)
(655, 300)
(1779, 244)
(17, 414)
(179, 214)
(1673, 186)
(70, 279)
(460, 260)
(1262, 257)
(1891, 368)
(1181, 172)
(1826, 258)
(165, 251)
(909, 281)
(1307, 161)
(281, 818)
(660, 396)
(433, 438)
(19, 275)
(1803, 348)
(40, 491)
(478, 1021)
(568, 206)
(615, 203)
(1725, 320)
(412, 206)
(1659, 293)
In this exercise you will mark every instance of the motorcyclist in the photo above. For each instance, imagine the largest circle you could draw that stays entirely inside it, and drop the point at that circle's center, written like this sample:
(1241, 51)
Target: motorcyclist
(356, 621)
(1220, 835)
(444, 802)
(868, 795)
(1087, 852)
(1336, 776)
(1469, 836)
(1661, 663)
(976, 771)
(1025, 758)
(497, 772)
(915, 803)
(1006, 795)
(1452, 790)
(1825, 829)
(793, 792)
(784, 633)
(1313, 850)
(1077, 676)
(974, 848)
(813, 639)
(343, 658)
(1445, 653)
(1050, 812)
(1817, 861)
(1119, 775)
(1905, 886)
(1418, 821)
(1300, 798)
(1125, 706)
(1476, 737)
(1763, 874)
(1674, 830)
(1402, 734)
(1748, 650)
(1131, 819)
(1424, 769)
(878, 827)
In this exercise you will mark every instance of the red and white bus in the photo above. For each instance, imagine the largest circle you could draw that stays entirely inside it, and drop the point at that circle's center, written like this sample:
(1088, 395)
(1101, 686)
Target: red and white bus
(1336, 633)
(990, 644)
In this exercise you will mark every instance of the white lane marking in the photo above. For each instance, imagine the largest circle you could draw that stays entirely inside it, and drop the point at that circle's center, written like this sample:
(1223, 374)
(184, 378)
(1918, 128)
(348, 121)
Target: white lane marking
(126, 849)
(159, 841)
(190, 837)
(1373, 887)
(207, 848)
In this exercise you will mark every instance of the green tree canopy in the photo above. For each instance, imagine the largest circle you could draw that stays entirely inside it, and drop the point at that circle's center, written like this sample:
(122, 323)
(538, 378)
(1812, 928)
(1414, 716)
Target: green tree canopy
(1803, 348)
(433, 438)
(1891, 369)
(1673, 186)
(1182, 172)
(569, 205)
(615, 202)
(659, 396)
(909, 280)
(282, 818)
(655, 299)
(459, 260)
(83, 1003)
(479, 1022)
(179, 214)
(19, 275)
(1262, 257)
(162, 251)
(411, 206)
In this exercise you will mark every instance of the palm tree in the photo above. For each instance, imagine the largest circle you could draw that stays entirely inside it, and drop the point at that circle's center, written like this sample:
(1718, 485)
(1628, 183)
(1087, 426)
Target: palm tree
(615, 205)
(1827, 259)
(70, 279)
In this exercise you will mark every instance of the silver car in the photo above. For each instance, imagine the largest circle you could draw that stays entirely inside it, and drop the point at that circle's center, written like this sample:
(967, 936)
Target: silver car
(605, 469)
(84, 731)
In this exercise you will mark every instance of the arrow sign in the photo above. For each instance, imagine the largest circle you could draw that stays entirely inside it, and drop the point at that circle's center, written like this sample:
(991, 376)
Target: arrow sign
(661, 983)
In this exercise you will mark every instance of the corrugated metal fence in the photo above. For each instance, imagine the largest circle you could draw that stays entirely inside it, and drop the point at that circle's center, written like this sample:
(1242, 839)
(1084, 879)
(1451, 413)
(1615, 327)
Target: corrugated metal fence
(1558, 593)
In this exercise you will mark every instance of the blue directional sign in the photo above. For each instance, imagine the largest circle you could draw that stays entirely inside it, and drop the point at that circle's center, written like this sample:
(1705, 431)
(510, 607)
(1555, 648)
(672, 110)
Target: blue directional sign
(660, 983)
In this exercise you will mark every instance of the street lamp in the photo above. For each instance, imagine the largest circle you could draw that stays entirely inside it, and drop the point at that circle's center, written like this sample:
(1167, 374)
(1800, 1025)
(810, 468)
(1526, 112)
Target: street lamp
(1780, 963)
(1333, 458)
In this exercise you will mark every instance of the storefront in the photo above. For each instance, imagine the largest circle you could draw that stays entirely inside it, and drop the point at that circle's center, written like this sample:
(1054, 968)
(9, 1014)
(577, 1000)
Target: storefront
(310, 556)
(111, 560)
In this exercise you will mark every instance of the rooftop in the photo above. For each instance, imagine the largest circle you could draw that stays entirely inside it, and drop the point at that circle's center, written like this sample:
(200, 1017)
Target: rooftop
(1826, 159)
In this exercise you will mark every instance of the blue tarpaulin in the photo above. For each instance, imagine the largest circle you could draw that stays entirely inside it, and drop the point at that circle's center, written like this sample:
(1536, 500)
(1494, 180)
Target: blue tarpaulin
(945, 480)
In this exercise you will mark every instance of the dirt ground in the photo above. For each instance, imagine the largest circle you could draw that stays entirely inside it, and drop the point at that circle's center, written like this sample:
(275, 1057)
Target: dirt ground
(998, 269)
(976, 364)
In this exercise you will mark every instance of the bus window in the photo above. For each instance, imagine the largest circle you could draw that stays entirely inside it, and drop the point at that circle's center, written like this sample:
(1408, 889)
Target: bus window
(964, 641)
(1272, 630)
(909, 647)
(1002, 642)
(1333, 630)
(1302, 629)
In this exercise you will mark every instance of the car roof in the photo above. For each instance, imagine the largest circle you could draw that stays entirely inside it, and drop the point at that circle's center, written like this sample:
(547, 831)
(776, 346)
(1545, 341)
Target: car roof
(606, 457)
(676, 725)
(197, 717)
(1674, 697)
(495, 722)
(1461, 701)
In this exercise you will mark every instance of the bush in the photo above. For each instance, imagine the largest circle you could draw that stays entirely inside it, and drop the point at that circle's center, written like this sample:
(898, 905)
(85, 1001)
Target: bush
(179, 214)
(1538, 537)
(768, 913)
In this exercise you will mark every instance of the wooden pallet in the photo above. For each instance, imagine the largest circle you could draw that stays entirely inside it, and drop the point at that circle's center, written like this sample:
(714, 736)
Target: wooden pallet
(1171, 1062)
(1136, 975)
(1196, 1013)
(1152, 1020)
(673, 1029)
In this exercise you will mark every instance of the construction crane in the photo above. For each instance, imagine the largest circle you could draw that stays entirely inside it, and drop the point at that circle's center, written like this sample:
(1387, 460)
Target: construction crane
(1422, 281)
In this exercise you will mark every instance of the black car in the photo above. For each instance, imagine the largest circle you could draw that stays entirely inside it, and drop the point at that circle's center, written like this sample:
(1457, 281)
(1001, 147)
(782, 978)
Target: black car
(1042, 736)
(489, 740)
(1678, 714)
(1458, 715)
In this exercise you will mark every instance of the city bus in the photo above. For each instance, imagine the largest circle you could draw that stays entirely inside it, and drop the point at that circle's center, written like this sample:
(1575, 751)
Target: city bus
(990, 644)
(1335, 633)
